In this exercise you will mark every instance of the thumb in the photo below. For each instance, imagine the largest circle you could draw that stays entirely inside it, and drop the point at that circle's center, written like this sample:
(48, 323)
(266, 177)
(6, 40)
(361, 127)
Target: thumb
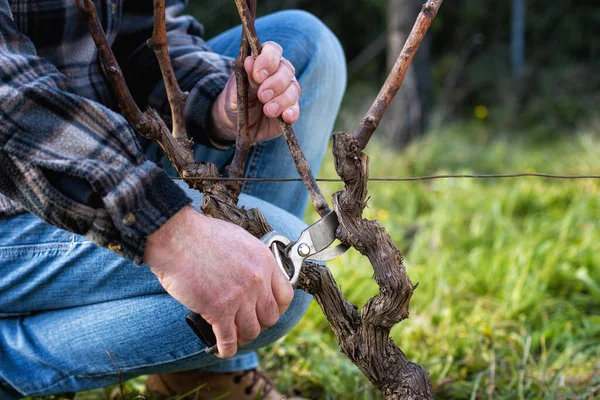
(249, 67)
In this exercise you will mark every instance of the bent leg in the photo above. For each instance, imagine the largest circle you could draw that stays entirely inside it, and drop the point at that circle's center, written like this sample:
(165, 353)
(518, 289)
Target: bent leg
(59, 333)
(65, 303)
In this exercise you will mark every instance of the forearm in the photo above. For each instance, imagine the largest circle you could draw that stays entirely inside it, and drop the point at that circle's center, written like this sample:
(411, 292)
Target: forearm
(52, 141)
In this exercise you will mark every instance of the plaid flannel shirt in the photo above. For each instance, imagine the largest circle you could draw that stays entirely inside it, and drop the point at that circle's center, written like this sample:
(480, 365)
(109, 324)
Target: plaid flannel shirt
(65, 154)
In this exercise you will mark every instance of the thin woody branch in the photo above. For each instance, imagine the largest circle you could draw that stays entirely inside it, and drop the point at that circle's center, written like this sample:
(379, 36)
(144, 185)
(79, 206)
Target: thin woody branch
(247, 17)
(243, 142)
(300, 161)
(112, 70)
(177, 98)
(218, 201)
(363, 338)
(394, 81)
(148, 124)
(304, 170)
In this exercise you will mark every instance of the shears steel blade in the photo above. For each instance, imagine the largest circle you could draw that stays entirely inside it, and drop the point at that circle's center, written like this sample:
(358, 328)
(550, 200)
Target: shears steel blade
(314, 241)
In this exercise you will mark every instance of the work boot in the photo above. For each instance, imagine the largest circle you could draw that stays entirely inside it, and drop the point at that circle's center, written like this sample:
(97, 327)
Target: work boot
(245, 385)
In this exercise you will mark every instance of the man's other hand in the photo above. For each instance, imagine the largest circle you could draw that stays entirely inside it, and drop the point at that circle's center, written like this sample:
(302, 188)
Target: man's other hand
(274, 91)
(221, 272)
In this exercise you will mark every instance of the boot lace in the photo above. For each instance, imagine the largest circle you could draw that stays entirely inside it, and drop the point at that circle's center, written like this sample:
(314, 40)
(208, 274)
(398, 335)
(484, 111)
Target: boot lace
(257, 377)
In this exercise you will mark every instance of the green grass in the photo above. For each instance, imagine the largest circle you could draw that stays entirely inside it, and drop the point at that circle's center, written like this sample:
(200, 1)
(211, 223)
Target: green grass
(509, 273)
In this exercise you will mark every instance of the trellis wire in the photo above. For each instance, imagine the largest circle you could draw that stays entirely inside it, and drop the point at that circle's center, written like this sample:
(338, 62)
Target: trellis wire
(408, 179)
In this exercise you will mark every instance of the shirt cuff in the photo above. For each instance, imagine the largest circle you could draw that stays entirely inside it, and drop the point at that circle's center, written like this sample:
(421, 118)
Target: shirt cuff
(140, 204)
(198, 107)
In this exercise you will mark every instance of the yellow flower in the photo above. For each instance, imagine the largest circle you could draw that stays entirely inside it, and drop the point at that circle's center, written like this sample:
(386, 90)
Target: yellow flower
(481, 112)
(487, 331)
(382, 215)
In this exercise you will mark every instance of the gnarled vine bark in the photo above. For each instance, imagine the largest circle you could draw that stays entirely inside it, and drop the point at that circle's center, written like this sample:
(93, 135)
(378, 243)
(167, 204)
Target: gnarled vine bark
(363, 337)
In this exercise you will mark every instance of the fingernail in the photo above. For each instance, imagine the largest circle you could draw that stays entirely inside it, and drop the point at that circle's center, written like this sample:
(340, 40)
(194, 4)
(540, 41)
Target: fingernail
(263, 74)
(272, 108)
(290, 114)
(268, 95)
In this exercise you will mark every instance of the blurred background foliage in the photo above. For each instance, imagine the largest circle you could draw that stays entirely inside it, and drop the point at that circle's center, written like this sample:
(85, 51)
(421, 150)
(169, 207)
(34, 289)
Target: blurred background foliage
(466, 72)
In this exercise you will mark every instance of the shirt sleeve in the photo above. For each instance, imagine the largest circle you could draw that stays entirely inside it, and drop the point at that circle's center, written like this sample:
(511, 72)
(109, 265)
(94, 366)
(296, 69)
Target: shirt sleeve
(199, 70)
(71, 161)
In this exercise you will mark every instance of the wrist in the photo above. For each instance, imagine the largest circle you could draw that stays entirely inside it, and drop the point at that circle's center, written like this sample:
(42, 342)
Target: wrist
(163, 244)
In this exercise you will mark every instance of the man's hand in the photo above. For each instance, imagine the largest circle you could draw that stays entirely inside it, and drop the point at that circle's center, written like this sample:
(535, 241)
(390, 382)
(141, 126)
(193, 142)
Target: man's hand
(274, 91)
(221, 272)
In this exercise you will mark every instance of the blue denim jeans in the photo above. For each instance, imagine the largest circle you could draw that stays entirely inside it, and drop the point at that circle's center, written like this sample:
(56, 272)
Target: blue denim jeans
(70, 311)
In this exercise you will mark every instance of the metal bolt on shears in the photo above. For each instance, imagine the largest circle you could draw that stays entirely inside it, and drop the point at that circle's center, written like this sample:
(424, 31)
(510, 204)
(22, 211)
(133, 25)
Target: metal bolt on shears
(312, 244)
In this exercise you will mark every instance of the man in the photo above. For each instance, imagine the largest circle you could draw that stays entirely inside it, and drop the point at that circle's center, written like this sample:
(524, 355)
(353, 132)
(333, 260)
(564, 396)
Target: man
(74, 314)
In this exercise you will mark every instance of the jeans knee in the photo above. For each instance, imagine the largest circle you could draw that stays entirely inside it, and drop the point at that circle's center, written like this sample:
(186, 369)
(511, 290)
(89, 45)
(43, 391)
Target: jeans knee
(315, 48)
(286, 323)
(310, 26)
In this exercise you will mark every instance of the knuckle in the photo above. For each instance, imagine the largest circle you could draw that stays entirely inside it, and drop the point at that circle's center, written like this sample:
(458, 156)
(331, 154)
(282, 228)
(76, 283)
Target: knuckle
(286, 294)
(252, 331)
(296, 85)
(272, 317)
(291, 96)
(232, 301)
(271, 320)
(285, 301)
(272, 62)
(295, 95)
(274, 46)
(227, 347)
(248, 328)
(271, 56)
(227, 304)
(228, 343)
(283, 80)
(270, 314)
(287, 64)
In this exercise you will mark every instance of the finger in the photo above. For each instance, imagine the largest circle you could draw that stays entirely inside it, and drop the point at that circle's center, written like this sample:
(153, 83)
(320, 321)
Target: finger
(267, 63)
(292, 114)
(275, 84)
(267, 311)
(248, 327)
(249, 67)
(284, 101)
(226, 338)
(282, 290)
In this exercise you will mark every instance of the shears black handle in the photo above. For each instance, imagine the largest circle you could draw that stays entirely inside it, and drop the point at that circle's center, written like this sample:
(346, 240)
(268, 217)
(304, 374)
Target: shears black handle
(203, 330)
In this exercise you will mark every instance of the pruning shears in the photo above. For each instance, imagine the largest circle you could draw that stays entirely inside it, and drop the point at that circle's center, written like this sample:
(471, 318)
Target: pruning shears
(312, 244)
